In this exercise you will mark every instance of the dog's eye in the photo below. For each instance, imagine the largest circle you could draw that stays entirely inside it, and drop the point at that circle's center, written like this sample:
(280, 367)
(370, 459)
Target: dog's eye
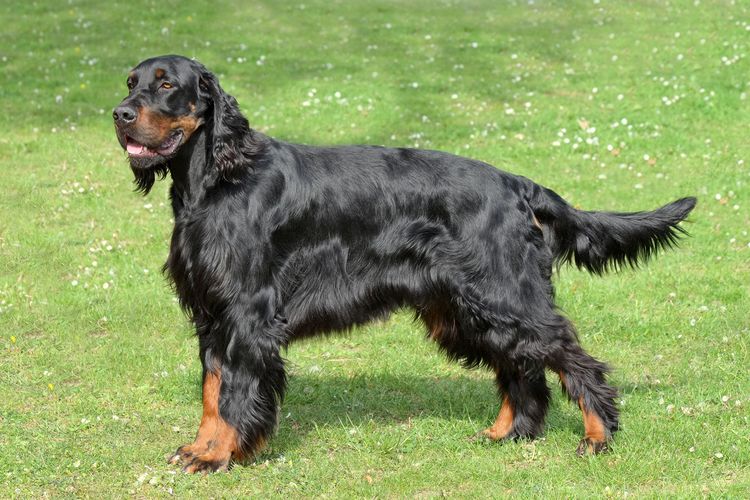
(166, 85)
(130, 84)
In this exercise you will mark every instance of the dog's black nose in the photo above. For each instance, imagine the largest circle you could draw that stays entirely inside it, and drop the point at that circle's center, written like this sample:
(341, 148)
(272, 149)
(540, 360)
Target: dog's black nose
(124, 114)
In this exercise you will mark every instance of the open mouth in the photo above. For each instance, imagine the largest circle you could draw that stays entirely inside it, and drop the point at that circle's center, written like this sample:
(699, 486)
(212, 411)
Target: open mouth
(166, 148)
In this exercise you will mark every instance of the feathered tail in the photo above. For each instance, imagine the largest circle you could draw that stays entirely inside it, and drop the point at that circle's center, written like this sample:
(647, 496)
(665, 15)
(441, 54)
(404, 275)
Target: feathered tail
(599, 241)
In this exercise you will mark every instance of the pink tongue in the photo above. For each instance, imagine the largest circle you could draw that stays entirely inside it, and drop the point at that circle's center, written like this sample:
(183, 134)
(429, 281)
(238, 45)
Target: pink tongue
(135, 149)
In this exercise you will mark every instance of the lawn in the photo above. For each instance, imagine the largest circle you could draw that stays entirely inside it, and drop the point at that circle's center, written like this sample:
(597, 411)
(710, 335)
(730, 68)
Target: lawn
(615, 105)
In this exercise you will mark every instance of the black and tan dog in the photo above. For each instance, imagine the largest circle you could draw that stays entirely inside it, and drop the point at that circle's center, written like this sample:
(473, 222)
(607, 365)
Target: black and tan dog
(275, 241)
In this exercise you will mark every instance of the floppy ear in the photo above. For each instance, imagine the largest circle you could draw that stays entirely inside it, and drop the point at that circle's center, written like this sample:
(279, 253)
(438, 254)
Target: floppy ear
(233, 144)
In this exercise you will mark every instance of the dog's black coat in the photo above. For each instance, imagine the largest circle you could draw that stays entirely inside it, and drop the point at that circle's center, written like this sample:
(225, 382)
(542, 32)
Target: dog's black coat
(275, 241)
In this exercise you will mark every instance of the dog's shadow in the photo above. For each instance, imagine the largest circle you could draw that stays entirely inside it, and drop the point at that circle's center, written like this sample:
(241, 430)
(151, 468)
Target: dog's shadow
(318, 401)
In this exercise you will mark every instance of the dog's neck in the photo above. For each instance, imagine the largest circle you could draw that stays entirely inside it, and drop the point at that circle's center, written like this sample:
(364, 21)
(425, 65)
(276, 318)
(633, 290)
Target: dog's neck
(194, 173)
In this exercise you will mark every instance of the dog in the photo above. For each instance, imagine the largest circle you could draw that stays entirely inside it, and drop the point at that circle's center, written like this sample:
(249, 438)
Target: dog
(274, 242)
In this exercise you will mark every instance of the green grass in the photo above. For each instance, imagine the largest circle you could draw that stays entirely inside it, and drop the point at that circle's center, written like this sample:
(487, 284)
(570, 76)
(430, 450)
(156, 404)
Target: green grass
(99, 377)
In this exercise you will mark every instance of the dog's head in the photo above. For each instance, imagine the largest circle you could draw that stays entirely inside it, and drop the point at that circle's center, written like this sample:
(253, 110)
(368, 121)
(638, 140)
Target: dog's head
(170, 98)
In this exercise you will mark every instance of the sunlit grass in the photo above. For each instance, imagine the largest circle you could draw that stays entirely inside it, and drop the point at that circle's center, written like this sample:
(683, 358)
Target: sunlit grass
(615, 105)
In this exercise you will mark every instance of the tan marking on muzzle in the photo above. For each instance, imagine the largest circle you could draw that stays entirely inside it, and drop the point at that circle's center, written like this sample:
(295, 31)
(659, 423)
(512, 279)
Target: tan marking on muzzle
(157, 127)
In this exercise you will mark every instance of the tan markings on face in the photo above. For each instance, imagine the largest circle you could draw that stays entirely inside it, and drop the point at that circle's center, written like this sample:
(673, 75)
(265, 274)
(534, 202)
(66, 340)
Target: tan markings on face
(159, 73)
(188, 124)
(192, 107)
(155, 128)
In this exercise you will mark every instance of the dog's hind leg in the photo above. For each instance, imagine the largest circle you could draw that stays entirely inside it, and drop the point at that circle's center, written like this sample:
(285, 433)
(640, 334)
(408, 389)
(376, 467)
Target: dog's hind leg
(521, 382)
(583, 379)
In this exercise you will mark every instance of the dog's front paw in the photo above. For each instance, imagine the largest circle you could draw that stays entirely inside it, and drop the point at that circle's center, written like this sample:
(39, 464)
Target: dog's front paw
(588, 446)
(204, 460)
(183, 454)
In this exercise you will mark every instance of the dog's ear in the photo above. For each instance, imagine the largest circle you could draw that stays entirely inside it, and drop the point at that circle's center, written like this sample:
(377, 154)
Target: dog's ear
(233, 144)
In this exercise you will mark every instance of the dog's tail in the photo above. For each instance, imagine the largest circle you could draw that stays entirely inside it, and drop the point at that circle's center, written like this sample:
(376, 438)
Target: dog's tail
(599, 241)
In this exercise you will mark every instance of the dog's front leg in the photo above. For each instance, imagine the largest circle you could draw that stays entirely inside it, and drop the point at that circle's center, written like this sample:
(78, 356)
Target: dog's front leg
(242, 390)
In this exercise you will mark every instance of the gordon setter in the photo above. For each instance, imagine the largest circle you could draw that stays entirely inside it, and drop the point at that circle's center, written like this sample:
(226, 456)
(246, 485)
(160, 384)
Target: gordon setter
(274, 242)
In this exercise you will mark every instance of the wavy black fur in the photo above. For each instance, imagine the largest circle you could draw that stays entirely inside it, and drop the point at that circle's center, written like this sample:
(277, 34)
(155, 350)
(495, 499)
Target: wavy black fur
(599, 241)
(276, 241)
